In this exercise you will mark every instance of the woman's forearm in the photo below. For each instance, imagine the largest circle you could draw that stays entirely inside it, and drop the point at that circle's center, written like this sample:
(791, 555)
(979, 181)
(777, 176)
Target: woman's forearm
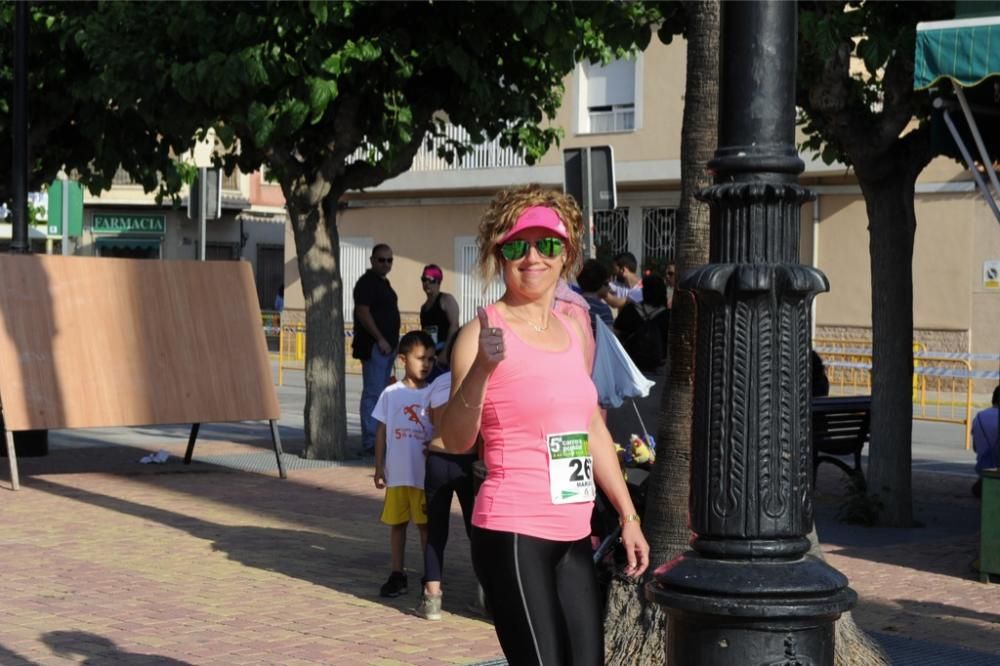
(463, 416)
(607, 470)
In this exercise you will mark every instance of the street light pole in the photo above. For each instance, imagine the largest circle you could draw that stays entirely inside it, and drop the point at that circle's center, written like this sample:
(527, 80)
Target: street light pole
(19, 132)
(747, 593)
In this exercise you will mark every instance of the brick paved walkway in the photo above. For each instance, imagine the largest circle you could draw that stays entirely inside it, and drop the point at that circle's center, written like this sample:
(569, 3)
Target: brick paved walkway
(918, 582)
(109, 561)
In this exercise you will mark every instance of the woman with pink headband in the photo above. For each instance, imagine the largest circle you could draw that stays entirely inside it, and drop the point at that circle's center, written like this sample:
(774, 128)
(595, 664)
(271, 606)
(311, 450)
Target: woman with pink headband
(521, 378)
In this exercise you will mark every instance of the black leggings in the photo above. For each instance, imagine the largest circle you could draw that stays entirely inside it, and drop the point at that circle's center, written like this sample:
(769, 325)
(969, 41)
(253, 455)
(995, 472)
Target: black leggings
(544, 597)
(446, 473)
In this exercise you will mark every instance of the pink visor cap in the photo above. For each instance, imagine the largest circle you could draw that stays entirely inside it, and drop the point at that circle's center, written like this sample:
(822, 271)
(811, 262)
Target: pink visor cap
(433, 272)
(541, 217)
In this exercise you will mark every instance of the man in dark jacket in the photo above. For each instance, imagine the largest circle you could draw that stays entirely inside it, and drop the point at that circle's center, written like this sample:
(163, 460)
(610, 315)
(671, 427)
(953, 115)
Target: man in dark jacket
(376, 334)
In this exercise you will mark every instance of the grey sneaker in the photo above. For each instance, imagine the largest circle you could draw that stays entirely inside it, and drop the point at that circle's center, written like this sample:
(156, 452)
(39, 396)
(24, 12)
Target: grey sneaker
(429, 607)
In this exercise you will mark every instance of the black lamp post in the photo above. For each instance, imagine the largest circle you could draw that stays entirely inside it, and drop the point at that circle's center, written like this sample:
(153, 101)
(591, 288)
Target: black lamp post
(747, 593)
(19, 131)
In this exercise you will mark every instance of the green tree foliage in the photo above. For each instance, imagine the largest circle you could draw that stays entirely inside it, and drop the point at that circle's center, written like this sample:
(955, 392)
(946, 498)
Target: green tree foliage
(331, 97)
(864, 117)
(73, 121)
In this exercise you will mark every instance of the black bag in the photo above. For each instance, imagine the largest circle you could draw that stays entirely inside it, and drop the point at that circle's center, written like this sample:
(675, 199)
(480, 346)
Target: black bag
(645, 344)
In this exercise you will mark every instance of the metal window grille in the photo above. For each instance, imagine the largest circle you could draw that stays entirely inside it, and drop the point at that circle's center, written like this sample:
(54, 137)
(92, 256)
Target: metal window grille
(611, 230)
(659, 234)
(617, 118)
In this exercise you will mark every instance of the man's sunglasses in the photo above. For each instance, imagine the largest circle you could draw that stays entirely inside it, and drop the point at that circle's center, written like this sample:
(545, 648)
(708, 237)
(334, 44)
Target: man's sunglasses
(547, 247)
(384, 260)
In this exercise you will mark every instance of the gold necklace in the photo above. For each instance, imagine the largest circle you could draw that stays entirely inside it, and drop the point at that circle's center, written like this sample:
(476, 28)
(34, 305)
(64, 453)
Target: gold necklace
(538, 328)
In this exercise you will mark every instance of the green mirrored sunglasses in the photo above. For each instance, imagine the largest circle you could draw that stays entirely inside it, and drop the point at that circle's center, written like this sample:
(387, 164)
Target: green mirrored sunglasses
(547, 247)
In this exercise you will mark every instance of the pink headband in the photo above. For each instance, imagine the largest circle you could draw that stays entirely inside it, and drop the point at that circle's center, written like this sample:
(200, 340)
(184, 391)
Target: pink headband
(537, 217)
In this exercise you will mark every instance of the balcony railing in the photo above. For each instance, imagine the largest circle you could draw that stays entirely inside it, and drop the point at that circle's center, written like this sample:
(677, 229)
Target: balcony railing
(230, 183)
(488, 155)
(122, 177)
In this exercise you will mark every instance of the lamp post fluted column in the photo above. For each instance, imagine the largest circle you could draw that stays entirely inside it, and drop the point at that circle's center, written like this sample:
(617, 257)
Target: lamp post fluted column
(747, 593)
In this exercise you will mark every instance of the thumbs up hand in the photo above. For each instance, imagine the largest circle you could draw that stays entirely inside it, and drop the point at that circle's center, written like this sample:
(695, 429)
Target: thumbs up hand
(491, 344)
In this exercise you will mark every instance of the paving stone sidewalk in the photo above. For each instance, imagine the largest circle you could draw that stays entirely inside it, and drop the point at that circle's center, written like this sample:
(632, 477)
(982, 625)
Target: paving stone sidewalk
(109, 561)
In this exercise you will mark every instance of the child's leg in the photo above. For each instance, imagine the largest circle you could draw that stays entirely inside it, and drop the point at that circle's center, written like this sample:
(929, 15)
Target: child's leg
(397, 542)
(423, 536)
(438, 491)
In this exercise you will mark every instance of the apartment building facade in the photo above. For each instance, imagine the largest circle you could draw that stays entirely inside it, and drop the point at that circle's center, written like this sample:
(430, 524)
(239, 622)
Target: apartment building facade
(430, 213)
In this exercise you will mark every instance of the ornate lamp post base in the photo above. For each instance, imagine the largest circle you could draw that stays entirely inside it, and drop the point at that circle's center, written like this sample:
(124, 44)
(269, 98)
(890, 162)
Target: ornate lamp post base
(726, 613)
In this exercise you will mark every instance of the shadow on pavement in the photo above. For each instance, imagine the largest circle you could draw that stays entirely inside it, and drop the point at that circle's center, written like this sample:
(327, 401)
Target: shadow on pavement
(937, 610)
(961, 637)
(10, 658)
(307, 555)
(100, 650)
(353, 561)
(945, 542)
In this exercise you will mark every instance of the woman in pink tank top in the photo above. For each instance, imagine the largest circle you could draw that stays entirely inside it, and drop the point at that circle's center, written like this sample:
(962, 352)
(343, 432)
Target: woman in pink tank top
(521, 378)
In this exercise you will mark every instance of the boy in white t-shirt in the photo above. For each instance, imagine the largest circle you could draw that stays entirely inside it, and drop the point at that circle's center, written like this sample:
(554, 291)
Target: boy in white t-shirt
(403, 430)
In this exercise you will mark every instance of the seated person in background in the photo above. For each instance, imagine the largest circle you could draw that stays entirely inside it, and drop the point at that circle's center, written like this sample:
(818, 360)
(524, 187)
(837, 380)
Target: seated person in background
(985, 432)
(643, 327)
(820, 384)
(592, 279)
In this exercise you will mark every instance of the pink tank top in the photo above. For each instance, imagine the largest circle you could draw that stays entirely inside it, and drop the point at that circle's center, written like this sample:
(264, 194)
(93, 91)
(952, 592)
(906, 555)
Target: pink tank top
(531, 394)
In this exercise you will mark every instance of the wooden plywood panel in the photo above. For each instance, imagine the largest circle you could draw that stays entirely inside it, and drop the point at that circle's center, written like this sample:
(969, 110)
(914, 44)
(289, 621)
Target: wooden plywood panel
(95, 342)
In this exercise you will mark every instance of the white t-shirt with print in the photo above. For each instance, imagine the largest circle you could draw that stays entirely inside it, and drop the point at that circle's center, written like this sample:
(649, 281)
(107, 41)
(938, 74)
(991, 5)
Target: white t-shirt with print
(441, 390)
(403, 410)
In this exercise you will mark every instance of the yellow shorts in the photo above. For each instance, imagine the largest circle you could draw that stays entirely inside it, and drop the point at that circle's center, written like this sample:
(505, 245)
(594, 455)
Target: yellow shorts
(403, 504)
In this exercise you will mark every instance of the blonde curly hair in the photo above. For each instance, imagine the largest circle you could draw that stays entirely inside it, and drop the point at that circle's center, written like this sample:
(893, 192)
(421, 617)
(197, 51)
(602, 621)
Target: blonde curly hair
(503, 212)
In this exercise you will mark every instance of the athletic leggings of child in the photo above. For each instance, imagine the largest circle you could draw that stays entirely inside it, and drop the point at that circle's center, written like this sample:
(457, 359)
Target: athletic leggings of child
(446, 474)
(544, 598)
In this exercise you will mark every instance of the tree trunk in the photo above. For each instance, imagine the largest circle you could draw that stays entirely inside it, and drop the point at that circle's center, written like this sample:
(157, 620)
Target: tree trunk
(317, 245)
(891, 225)
(634, 629)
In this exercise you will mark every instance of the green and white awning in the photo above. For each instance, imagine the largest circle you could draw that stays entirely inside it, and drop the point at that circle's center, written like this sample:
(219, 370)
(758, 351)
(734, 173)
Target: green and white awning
(966, 51)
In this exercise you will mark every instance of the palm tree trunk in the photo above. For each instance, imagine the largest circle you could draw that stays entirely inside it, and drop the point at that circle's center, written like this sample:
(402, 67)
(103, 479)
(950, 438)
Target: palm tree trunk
(635, 629)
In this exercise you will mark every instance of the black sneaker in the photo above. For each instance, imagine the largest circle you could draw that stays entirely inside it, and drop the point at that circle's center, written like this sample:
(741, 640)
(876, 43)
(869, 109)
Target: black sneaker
(395, 586)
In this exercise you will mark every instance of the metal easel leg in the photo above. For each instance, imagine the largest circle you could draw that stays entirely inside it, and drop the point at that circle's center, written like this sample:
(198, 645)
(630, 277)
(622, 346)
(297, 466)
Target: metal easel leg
(191, 440)
(277, 448)
(15, 482)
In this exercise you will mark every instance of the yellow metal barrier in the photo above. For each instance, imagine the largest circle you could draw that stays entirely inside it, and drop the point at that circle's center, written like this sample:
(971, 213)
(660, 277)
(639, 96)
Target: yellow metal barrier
(942, 388)
(291, 352)
(291, 349)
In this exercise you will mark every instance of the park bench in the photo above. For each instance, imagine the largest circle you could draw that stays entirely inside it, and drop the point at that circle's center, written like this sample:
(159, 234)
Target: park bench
(840, 429)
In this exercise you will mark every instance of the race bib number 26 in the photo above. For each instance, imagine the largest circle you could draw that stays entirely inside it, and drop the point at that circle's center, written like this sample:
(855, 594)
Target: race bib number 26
(571, 469)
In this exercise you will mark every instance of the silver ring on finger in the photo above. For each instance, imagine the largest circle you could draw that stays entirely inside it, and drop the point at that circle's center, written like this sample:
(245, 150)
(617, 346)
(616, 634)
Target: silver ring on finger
(499, 348)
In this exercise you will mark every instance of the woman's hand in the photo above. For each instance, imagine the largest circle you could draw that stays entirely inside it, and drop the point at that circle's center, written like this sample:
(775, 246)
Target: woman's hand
(636, 549)
(491, 344)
